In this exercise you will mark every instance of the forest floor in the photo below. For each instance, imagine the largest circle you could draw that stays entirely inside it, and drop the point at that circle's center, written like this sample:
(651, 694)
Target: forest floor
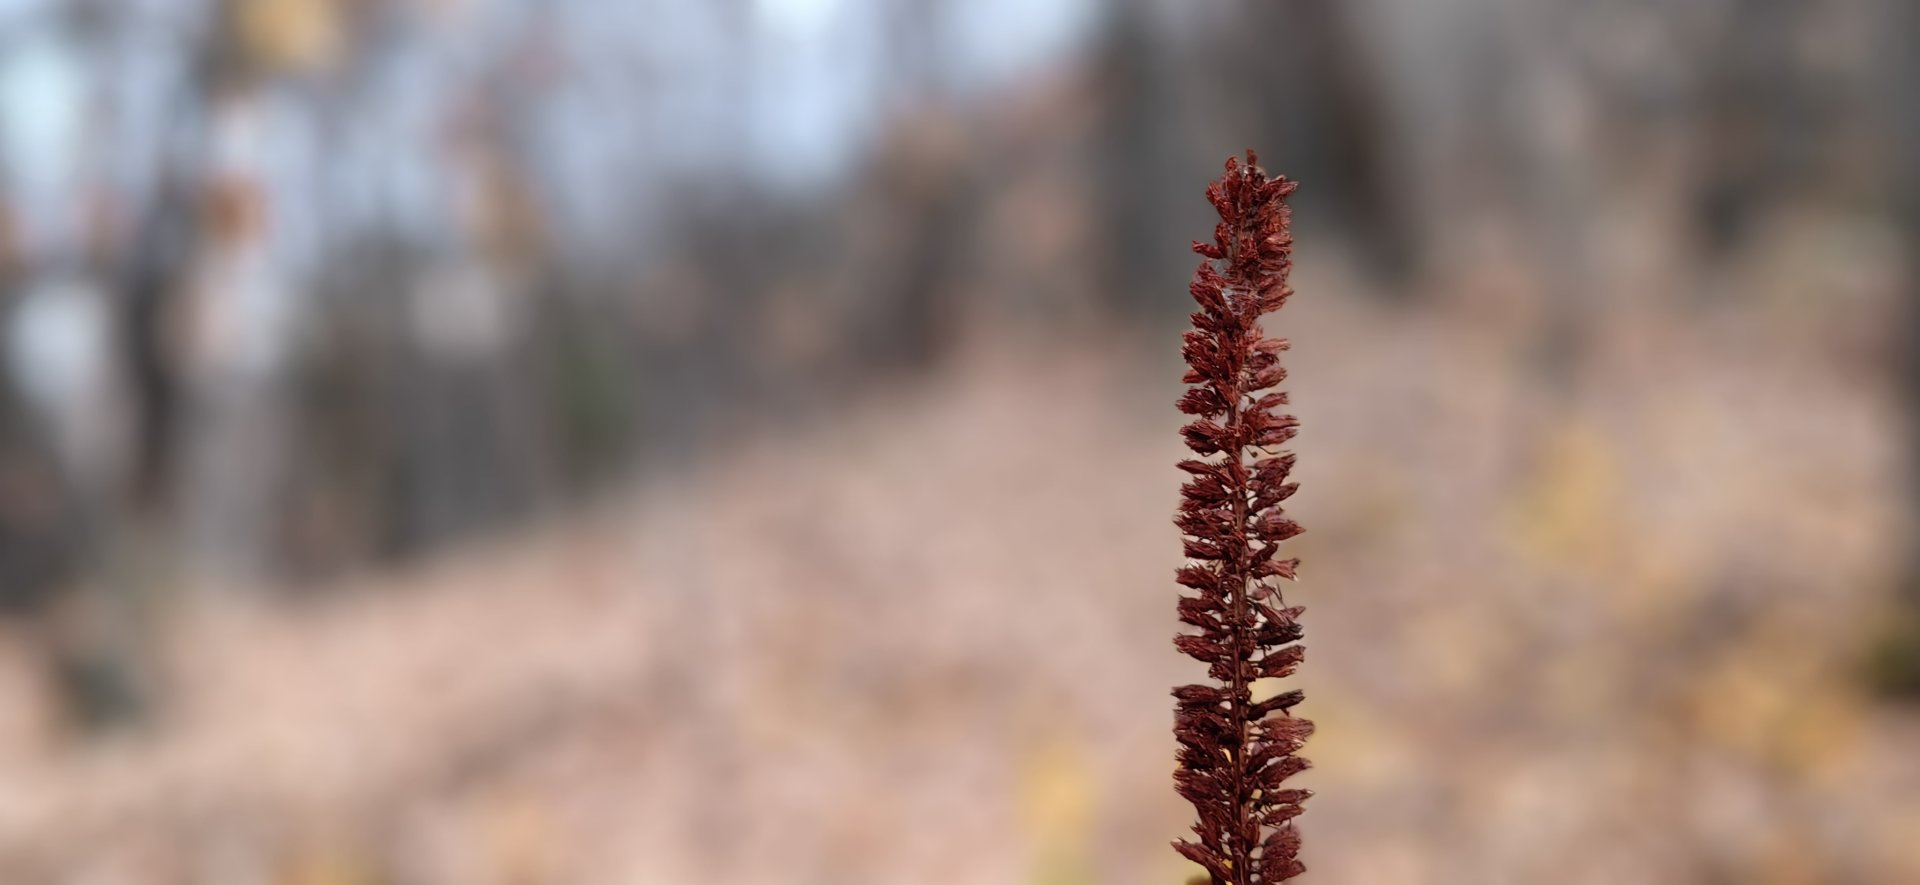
(1598, 629)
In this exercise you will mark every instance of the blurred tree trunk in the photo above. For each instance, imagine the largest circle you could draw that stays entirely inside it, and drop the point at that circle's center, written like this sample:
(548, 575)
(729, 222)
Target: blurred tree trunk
(36, 544)
(929, 184)
(1894, 654)
(1901, 38)
(1755, 119)
(1138, 171)
(33, 548)
(1548, 121)
(151, 272)
(1317, 111)
(928, 211)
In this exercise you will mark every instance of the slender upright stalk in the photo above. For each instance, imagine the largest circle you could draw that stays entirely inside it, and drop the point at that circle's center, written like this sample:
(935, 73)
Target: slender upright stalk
(1235, 752)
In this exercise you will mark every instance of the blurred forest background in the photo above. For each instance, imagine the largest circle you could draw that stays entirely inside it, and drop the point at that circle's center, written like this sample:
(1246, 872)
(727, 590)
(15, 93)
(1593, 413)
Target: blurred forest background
(459, 442)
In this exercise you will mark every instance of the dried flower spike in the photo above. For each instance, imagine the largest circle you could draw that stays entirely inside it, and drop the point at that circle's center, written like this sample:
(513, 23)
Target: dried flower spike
(1236, 752)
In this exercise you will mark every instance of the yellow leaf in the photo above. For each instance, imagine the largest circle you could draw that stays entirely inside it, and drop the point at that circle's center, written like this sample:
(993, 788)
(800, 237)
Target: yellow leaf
(1057, 802)
(288, 34)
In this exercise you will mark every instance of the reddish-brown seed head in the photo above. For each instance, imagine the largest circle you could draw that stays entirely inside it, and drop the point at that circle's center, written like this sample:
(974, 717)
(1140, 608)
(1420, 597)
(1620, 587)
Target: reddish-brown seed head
(1235, 751)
